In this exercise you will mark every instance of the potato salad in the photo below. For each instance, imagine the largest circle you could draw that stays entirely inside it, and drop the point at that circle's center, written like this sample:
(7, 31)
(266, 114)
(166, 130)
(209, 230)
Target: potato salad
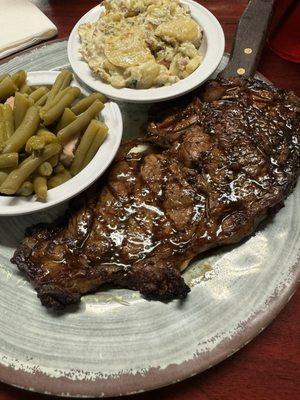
(142, 43)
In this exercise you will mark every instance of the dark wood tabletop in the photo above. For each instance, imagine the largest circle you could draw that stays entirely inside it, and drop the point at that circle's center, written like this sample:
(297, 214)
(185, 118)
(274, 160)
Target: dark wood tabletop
(269, 366)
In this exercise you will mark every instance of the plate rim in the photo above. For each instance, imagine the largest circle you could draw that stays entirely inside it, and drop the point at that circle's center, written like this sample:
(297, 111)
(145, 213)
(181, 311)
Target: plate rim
(40, 382)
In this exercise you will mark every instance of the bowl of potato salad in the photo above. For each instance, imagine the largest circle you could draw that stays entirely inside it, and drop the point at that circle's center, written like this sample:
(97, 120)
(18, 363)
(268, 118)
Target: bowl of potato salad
(146, 50)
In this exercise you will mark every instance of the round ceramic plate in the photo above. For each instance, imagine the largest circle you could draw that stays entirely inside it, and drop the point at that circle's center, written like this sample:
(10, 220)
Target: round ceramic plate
(111, 115)
(115, 342)
(212, 49)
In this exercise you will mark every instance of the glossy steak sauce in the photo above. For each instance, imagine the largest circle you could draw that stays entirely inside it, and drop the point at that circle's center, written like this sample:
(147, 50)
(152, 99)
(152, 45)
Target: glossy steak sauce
(224, 159)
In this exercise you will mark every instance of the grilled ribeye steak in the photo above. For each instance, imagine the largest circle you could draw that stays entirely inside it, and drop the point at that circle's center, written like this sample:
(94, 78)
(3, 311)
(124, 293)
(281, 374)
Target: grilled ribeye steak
(227, 156)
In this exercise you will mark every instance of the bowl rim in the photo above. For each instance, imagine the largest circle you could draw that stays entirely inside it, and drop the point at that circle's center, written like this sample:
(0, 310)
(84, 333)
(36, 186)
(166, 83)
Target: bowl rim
(19, 205)
(213, 56)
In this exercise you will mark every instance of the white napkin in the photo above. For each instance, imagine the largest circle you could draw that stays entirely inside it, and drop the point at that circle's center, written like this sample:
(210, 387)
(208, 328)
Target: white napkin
(21, 25)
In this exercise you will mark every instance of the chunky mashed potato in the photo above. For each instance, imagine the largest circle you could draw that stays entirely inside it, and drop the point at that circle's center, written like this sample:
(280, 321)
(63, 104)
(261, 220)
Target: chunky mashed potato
(142, 43)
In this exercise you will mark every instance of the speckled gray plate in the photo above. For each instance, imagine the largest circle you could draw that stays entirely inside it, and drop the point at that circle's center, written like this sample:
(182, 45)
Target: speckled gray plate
(116, 342)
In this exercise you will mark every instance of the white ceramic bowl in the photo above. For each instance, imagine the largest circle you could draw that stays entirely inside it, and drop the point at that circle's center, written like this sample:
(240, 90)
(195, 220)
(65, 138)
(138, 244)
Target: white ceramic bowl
(111, 115)
(212, 48)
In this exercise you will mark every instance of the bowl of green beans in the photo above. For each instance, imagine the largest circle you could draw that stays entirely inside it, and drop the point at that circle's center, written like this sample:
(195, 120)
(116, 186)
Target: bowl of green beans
(56, 139)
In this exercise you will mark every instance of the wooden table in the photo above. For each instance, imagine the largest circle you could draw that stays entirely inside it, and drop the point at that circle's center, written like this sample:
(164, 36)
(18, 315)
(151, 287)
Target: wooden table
(268, 367)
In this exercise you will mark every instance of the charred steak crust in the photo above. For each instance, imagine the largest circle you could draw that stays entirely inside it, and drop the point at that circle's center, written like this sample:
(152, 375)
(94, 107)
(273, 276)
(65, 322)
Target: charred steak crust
(227, 157)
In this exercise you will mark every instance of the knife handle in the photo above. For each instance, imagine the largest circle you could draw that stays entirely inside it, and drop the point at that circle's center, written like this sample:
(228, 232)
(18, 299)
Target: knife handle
(249, 39)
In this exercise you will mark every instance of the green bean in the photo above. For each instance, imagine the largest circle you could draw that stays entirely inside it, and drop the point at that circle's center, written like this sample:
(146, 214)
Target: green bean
(9, 160)
(24, 157)
(25, 89)
(56, 98)
(83, 147)
(40, 187)
(84, 104)
(26, 189)
(38, 93)
(98, 140)
(3, 76)
(61, 82)
(19, 78)
(7, 88)
(43, 131)
(56, 110)
(21, 105)
(2, 135)
(6, 116)
(47, 136)
(28, 167)
(54, 161)
(45, 169)
(2, 128)
(59, 168)
(3, 176)
(67, 117)
(42, 101)
(80, 123)
(27, 129)
(35, 144)
(1, 112)
(59, 179)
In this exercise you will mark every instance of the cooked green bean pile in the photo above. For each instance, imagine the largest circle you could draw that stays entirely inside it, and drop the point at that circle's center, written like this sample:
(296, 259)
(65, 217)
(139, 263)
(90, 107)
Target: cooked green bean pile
(47, 134)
